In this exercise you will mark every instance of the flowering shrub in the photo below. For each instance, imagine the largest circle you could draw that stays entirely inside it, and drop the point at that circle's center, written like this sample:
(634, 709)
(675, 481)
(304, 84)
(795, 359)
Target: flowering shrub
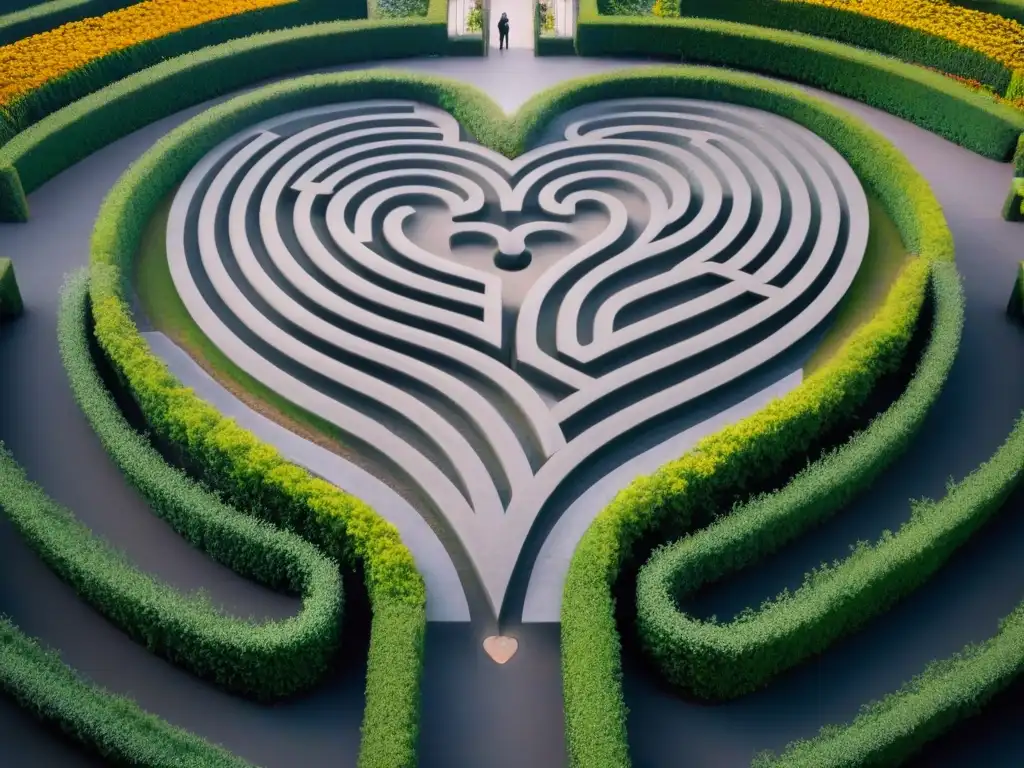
(29, 63)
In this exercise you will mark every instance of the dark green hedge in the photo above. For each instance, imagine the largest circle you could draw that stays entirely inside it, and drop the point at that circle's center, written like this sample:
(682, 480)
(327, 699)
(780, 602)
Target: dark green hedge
(925, 98)
(48, 141)
(688, 492)
(1015, 307)
(263, 660)
(852, 28)
(889, 731)
(1018, 158)
(719, 661)
(111, 726)
(1013, 208)
(10, 296)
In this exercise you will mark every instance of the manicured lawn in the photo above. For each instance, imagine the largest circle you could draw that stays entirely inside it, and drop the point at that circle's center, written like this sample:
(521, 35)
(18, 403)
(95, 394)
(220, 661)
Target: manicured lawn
(883, 260)
(168, 314)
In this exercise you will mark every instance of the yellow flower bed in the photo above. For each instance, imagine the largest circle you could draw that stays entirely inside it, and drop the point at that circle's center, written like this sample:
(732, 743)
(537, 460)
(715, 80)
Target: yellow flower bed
(30, 63)
(999, 38)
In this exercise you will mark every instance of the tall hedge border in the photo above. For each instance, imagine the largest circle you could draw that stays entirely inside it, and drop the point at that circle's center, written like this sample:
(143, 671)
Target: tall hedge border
(925, 98)
(853, 28)
(51, 136)
(889, 731)
(266, 660)
(686, 493)
(724, 660)
(111, 726)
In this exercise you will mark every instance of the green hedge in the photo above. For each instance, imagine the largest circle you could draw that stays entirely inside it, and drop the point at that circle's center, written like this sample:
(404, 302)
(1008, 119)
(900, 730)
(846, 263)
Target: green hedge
(889, 731)
(686, 493)
(1013, 208)
(896, 40)
(48, 141)
(1015, 307)
(111, 726)
(925, 98)
(1018, 158)
(1011, 9)
(263, 660)
(718, 661)
(10, 296)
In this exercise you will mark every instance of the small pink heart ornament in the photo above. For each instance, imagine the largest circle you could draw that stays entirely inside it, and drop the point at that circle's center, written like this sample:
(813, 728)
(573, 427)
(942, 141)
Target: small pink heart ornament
(501, 648)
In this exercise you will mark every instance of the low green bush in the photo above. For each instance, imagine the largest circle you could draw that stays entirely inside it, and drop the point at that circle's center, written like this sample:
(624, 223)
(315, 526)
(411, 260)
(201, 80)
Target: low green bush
(723, 660)
(1015, 307)
(686, 493)
(889, 731)
(10, 296)
(111, 726)
(1018, 158)
(264, 660)
(1013, 208)
(925, 98)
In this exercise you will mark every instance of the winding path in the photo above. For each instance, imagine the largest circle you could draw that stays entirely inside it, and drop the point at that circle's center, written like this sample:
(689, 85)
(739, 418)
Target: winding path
(475, 712)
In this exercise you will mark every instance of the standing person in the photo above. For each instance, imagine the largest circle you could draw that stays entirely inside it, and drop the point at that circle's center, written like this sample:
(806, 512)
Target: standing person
(503, 31)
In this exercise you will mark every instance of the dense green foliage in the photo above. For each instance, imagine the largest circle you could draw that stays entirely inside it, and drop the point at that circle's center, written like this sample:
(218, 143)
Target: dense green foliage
(1015, 306)
(719, 661)
(845, 26)
(10, 296)
(263, 660)
(1013, 208)
(1018, 158)
(925, 98)
(686, 494)
(1011, 9)
(887, 732)
(112, 726)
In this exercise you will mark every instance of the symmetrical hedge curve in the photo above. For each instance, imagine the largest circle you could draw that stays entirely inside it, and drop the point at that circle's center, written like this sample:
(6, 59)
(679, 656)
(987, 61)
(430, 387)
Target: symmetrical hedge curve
(264, 660)
(925, 98)
(719, 661)
(111, 726)
(685, 494)
(948, 691)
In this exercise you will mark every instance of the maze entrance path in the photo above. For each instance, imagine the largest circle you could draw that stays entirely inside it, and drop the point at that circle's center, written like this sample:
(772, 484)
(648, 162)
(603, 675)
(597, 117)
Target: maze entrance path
(475, 712)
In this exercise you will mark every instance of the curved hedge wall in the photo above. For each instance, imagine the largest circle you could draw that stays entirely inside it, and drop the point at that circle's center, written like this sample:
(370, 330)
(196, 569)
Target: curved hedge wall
(720, 661)
(685, 494)
(925, 98)
(265, 660)
(889, 731)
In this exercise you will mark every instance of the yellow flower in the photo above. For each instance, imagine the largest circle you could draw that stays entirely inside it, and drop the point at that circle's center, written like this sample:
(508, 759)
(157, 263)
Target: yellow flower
(30, 63)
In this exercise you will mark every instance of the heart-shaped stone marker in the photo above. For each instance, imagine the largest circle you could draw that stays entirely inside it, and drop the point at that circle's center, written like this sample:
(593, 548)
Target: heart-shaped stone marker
(501, 648)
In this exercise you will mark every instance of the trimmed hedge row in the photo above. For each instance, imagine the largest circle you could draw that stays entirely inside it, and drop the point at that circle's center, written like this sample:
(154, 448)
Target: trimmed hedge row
(71, 133)
(1015, 307)
(10, 296)
(719, 661)
(925, 98)
(112, 726)
(891, 730)
(900, 41)
(263, 660)
(688, 492)
(1013, 208)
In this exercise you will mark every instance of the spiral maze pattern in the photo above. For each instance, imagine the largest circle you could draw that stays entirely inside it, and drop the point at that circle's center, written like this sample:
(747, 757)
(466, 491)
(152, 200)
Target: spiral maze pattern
(482, 327)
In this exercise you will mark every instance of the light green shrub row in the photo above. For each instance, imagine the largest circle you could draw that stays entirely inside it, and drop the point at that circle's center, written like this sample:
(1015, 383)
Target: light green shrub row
(111, 726)
(686, 493)
(66, 121)
(264, 660)
(925, 98)
(1013, 208)
(724, 660)
(10, 296)
(853, 28)
(889, 731)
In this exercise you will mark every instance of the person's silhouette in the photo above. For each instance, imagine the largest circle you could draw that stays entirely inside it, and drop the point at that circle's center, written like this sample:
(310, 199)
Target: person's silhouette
(503, 31)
